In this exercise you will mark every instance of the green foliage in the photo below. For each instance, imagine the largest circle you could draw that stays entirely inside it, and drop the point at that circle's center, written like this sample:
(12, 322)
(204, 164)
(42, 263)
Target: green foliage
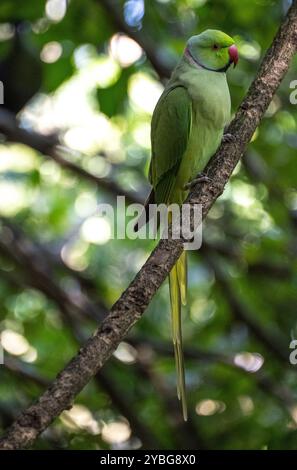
(58, 262)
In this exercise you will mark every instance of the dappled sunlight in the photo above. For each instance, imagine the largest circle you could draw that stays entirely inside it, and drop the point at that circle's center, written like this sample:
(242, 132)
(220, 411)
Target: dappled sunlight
(74, 255)
(90, 131)
(85, 204)
(50, 172)
(249, 50)
(124, 50)
(30, 356)
(96, 230)
(144, 92)
(134, 12)
(116, 432)
(13, 198)
(10, 159)
(80, 417)
(246, 404)
(56, 9)
(141, 135)
(101, 166)
(210, 407)
(14, 342)
(6, 31)
(246, 202)
(51, 52)
(126, 353)
(96, 134)
(250, 362)
(202, 310)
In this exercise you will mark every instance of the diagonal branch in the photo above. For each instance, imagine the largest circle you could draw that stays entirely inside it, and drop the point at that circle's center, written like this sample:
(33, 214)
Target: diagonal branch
(133, 302)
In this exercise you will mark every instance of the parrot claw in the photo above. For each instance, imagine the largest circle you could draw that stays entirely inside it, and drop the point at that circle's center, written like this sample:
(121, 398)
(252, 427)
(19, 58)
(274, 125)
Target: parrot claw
(228, 138)
(200, 179)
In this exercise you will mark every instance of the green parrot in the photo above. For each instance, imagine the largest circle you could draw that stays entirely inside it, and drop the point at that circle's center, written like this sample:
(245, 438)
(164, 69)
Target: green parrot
(187, 127)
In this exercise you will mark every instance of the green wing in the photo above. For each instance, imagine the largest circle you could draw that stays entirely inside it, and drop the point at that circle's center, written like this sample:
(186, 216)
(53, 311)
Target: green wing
(171, 125)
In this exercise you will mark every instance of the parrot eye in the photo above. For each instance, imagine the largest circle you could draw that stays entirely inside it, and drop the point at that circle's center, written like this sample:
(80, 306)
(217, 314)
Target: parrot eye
(215, 47)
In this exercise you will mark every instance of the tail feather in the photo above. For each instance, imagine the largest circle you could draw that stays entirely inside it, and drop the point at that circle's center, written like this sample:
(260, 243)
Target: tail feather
(177, 286)
(182, 269)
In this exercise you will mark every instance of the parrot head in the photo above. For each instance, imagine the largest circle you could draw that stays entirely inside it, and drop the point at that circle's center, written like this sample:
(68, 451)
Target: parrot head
(212, 50)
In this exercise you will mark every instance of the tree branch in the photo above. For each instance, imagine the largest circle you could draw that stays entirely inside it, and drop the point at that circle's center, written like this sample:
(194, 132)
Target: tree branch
(133, 302)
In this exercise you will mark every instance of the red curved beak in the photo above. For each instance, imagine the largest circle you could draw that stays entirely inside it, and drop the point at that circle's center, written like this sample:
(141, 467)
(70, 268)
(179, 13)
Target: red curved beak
(233, 54)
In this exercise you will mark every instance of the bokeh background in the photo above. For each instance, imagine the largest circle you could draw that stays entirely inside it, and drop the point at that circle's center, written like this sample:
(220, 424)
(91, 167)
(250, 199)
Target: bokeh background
(81, 79)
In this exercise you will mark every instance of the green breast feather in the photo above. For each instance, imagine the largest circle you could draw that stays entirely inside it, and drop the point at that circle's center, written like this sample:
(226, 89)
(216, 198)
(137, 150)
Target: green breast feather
(187, 128)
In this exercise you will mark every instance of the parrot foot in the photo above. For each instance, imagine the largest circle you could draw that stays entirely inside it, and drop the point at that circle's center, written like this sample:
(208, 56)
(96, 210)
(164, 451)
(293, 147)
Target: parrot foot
(202, 178)
(228, 138)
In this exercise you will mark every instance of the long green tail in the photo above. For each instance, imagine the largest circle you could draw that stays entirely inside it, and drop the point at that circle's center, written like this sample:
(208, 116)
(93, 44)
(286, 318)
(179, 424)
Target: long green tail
(178, 293)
